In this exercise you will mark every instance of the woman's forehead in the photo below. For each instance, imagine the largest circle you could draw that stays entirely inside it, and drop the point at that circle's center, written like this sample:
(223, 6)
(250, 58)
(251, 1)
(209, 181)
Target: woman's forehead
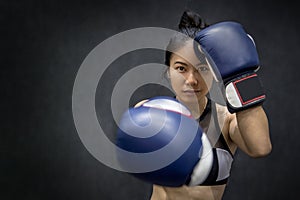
(186, 53)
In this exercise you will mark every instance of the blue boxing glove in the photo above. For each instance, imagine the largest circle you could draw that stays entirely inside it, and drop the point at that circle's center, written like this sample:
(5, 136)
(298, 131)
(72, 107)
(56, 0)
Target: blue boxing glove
(234, 54)
(160, 129)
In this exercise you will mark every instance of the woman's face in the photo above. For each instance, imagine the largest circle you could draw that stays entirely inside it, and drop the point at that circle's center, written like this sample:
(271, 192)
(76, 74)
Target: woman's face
(190, 78)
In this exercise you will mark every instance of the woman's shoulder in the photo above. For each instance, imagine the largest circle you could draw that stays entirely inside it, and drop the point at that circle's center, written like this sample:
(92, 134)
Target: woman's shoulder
(226, 119)
(224, 116)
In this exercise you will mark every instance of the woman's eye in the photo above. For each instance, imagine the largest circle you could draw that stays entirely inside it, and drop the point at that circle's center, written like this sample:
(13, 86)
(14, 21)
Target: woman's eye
(180, 69)
(203, 69)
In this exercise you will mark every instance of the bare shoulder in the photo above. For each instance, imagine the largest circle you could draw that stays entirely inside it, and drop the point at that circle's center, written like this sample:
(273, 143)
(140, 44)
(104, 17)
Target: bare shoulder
(158, 193)
(224, 116)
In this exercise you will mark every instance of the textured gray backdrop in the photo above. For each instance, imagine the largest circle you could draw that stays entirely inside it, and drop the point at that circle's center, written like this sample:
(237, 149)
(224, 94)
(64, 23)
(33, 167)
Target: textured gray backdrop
(43, 45)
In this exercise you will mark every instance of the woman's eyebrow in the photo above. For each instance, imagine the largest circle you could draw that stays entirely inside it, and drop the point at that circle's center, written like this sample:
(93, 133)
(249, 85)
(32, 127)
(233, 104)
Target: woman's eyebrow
(182, 63)
(201, 64)
(186, 64)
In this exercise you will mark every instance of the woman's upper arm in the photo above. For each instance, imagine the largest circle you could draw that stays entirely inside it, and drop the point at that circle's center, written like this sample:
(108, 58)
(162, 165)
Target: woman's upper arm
(250, 132)
(234, 134)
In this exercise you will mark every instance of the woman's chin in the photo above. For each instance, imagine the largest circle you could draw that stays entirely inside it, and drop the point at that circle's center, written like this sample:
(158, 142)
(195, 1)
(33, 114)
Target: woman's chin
(189, 99)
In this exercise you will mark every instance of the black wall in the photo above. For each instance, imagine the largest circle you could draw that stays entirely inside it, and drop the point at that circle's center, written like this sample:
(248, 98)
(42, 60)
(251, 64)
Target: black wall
(43, 44)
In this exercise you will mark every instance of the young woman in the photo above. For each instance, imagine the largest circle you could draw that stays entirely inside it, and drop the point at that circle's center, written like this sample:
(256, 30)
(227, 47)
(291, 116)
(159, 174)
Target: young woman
(191, 79)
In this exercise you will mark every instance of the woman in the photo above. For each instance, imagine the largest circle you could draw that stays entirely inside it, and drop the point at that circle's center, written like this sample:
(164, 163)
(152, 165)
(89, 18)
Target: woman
(191, 79)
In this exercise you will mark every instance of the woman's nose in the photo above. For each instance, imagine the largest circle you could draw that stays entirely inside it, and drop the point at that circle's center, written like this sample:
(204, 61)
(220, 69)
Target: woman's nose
(192, 79)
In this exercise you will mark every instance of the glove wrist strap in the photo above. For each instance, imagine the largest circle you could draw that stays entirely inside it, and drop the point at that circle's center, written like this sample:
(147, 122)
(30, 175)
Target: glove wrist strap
(244, 92)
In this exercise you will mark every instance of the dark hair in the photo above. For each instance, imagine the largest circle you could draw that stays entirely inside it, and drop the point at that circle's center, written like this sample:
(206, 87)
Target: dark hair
(190, 24)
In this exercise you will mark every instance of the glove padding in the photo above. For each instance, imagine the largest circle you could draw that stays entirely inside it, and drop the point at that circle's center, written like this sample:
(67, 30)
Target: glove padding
(234, 55)
(158, 124)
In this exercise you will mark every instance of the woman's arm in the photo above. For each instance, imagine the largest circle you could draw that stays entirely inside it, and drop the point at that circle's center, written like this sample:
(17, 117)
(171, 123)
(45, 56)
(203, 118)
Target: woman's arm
(249, 130)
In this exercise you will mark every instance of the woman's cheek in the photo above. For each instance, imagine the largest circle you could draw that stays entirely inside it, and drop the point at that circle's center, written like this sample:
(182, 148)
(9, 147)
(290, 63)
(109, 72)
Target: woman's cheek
(207, 81)
(177, 81)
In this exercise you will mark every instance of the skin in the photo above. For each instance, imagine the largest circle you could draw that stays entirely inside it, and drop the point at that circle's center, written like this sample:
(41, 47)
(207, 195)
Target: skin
(191, 81)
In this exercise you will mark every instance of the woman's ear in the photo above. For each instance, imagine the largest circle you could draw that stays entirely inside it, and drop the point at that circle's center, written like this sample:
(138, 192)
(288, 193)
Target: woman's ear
(168, 73)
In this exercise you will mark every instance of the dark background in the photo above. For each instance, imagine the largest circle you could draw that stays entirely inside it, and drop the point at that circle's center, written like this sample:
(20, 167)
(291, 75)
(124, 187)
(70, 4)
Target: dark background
(43, 44)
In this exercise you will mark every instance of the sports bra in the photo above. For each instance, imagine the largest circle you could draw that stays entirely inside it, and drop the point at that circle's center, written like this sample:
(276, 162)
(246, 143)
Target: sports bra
(222, 156)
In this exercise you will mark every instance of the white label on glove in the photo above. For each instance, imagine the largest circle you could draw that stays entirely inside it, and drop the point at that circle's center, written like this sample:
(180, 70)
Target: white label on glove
(232, 96)
(167, 104)
(203, 167)
(225, 161)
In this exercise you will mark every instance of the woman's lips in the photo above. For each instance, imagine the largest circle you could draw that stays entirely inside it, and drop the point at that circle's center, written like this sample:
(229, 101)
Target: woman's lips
(191, 91)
